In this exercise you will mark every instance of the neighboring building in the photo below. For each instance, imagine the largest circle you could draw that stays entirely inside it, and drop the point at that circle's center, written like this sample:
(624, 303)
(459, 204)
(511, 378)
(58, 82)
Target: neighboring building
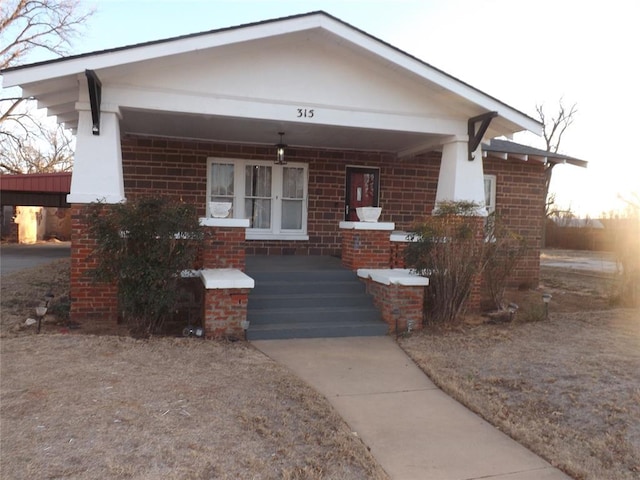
(198, 118)
(34, 207)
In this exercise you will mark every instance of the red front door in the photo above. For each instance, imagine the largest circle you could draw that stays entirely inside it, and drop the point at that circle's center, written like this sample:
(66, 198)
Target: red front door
(362, 190)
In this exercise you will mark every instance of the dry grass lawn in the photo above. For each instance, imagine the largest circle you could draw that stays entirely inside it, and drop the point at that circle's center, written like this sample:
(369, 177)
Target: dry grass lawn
(567, 387)
(82, 406)
(79, 406)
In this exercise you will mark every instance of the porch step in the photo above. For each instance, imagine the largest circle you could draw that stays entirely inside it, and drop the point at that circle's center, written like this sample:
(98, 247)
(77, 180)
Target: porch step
(308, 297)
(301, 287)
(315, 300)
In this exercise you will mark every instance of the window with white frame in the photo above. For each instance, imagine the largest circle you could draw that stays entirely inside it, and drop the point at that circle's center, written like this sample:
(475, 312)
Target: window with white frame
(490, 193)
(273, 197)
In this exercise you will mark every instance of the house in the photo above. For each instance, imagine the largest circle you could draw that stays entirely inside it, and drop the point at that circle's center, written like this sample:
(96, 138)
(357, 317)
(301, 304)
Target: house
(296, 122)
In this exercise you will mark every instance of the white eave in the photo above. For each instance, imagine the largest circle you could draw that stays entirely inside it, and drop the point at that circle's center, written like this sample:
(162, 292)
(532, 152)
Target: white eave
(53, 82)
(507, 150)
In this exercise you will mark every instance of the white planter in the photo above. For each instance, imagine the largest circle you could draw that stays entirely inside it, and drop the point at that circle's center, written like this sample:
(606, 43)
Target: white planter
(220, 209)
(368, 214)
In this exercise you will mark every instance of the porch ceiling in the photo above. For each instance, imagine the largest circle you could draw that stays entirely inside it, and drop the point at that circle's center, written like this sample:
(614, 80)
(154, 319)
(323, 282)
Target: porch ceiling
(265, 132)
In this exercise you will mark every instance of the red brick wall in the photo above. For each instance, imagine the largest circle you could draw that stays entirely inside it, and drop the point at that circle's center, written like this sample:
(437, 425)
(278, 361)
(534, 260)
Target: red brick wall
(407, 189)
(224, 310)
(401, 304)
(179, 169)
(365, 249)
(95, 302)
(223, 248)
(520, 203)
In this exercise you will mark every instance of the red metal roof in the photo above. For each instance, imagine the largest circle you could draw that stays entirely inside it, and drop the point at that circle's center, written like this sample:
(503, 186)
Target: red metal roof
(36, 182)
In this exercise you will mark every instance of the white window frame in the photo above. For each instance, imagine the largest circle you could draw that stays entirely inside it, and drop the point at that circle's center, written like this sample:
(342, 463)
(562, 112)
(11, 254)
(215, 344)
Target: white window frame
(491, 206)
(275, 232)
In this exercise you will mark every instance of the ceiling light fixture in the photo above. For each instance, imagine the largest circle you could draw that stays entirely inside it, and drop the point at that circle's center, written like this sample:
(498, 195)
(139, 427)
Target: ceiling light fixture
(280, 151)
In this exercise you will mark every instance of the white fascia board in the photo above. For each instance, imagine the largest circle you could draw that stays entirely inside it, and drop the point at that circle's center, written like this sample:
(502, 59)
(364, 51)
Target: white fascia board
(76, 65)
(126, 55)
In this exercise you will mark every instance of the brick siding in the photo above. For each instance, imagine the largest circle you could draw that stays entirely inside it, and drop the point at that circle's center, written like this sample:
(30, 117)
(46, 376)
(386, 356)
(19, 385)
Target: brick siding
(178, 168)
(224, 312)
(399, 305)
(90, 300)
(520, 203)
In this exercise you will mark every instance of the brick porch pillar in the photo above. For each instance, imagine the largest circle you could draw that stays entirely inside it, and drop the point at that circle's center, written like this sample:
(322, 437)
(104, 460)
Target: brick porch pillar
(93, 303)
(224, 243)
(226, 286)
(366, 244)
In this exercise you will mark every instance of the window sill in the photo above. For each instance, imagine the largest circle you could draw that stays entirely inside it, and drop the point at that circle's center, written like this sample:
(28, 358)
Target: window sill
(274, 236)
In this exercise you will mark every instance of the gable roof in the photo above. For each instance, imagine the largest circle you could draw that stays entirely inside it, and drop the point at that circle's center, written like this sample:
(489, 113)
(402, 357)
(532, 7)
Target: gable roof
(163, 42)
(52, 82)
(511, 150)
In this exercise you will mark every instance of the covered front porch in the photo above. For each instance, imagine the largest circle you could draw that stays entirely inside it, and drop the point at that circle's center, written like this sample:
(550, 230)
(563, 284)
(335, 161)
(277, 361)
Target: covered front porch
(361, 293)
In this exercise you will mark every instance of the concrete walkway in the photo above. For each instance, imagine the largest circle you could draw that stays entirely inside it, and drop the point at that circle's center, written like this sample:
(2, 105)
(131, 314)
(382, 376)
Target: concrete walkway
(414, 430)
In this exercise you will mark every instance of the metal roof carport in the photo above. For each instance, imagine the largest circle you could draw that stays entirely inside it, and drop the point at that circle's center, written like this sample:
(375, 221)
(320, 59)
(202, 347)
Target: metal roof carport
(37, 189)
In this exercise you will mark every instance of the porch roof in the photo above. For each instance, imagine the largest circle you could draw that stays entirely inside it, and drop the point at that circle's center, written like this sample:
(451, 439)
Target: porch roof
(59, 85)
(510, 150)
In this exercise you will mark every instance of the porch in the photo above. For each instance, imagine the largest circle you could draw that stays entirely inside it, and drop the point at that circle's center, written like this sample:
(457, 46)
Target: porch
(307, 296)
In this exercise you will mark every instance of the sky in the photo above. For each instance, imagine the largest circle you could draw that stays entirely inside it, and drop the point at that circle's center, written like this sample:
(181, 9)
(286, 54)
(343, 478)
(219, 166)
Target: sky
(524, 52)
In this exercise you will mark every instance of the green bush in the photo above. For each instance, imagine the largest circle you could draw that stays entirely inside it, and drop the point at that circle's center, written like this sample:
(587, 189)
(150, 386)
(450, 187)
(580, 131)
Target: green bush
(142, 247)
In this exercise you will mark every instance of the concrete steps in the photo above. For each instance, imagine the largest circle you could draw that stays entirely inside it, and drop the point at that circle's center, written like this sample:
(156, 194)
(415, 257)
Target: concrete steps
(308, 297)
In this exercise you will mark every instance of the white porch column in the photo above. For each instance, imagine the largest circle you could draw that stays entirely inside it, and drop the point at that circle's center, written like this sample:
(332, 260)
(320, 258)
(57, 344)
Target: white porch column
(97, 166)
(461, 179)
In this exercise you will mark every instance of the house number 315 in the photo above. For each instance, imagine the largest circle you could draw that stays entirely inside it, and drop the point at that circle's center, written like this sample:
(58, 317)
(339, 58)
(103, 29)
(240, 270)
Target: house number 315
(305, 113)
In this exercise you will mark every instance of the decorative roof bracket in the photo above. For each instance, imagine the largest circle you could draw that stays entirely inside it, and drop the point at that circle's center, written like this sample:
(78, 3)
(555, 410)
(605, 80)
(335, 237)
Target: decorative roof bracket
(95, 98)
(475, 136)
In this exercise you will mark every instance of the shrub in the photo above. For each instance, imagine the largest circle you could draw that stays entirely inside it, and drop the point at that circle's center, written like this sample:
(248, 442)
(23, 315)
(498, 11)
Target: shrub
(448, 249)
(503, 251)
(453, 248)
(143, 246)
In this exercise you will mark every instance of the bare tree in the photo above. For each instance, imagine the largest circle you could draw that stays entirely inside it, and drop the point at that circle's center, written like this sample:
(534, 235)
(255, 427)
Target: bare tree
(45, 149)
(553, 128)
(27, 26)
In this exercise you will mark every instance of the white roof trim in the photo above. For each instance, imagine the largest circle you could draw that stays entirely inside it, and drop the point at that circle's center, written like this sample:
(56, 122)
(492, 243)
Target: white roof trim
(47, 71)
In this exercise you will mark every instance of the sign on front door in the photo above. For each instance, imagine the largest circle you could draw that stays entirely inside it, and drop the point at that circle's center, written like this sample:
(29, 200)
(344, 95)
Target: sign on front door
(362, 190)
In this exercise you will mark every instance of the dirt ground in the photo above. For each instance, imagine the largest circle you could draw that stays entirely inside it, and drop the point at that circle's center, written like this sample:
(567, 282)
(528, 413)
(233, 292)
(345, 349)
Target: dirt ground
(567, 387)
(78, 406)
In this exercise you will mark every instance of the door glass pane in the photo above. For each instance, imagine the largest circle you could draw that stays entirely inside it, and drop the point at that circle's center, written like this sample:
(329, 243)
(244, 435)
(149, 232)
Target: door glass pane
(292, 198)
(222, 183)
(293, 182)
(257, 203)
(258, 211)
(257, 181)
(487, 192)
(292, 214)
(368, 197)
